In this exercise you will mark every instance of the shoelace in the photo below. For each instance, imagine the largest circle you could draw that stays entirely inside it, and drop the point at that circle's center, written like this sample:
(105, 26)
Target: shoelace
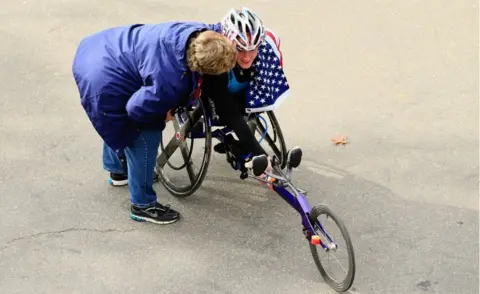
(160, 208)
(163, 208)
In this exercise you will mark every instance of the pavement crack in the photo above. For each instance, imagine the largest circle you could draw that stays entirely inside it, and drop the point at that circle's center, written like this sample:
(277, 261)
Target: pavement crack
(10, 242)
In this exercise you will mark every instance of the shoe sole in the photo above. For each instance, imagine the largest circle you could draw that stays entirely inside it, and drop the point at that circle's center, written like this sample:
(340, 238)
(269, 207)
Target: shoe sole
(124, 182)
(117, 183)
(146, 219)
(260, 165)
(294, 157)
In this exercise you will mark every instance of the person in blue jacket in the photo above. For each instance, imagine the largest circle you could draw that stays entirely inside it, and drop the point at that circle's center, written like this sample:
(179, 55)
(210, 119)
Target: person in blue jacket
(129, 78)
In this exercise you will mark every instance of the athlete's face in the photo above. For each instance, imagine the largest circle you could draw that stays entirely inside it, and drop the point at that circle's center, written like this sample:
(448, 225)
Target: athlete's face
(246, 58)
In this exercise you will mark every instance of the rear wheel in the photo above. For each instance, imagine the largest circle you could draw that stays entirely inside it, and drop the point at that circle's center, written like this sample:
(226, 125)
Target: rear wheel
(195, 174)
(269, 131)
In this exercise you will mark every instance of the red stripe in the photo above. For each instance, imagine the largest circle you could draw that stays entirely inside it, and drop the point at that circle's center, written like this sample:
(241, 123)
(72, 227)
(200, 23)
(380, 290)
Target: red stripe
(198, 91)
(271, 35)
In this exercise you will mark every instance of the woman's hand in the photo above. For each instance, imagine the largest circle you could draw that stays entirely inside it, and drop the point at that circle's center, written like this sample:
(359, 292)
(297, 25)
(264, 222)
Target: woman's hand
(169, 116)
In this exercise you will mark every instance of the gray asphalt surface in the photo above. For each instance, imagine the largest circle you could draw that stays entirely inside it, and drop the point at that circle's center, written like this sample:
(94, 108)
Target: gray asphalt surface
(399, 78)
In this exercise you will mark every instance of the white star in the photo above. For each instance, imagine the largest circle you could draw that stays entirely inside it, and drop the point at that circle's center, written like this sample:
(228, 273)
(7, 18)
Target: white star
(261, 72)
(270, 51)
(260, 93)
(251, 93)
(264, 50)
(258, 78)
(279, 67)
(286, 84)
(251, 102)
(257, 97)
(275, 59)
(277, 90)
(283, 76)
(268, 58)
(273, 65)
(276, 74)
(252, 74)
(251, 83)
(258, 63)
(262, 100)
(263, 87)
(270, 73)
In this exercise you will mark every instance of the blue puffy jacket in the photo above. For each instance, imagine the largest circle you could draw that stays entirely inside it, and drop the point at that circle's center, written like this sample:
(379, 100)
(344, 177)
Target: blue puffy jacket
(129, 77)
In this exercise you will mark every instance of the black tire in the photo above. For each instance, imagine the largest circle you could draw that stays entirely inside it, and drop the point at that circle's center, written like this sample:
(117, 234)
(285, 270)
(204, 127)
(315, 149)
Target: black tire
(195, 179)
(339, 286)
(281, 152)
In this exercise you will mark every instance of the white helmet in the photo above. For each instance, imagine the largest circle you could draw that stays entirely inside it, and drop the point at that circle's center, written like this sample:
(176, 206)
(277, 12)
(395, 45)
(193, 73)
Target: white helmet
(238, 24)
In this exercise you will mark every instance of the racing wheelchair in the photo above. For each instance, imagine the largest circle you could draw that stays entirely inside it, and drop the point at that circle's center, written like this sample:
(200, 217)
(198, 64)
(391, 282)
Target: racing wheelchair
(194, 122)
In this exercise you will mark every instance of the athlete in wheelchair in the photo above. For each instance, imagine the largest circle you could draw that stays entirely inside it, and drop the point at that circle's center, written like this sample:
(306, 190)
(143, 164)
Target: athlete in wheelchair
(228, 92)
(236, 101)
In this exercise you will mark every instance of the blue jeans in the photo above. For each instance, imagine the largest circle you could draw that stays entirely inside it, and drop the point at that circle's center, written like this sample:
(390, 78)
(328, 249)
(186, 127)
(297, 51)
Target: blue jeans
(141, 158)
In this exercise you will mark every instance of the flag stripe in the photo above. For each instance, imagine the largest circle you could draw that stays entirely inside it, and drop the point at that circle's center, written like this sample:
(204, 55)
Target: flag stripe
(277, 44)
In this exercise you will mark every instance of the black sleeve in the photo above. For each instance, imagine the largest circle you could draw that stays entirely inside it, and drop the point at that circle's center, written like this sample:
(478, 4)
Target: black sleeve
(216, 88)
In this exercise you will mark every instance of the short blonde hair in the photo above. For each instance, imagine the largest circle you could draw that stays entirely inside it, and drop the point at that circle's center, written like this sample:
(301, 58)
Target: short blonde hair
(211, 53)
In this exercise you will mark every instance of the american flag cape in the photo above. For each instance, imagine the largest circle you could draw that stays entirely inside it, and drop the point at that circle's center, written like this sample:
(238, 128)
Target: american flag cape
(269, 86)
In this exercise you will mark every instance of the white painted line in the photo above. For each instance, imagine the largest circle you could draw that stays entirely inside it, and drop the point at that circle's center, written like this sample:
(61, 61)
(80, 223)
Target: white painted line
(324, 171)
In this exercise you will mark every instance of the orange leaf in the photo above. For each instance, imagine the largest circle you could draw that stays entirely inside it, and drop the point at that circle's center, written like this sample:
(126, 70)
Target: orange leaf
(340, 140)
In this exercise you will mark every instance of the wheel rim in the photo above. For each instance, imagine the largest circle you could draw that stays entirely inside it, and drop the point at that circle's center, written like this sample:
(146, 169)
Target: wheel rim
(332, 258)
(343, 283)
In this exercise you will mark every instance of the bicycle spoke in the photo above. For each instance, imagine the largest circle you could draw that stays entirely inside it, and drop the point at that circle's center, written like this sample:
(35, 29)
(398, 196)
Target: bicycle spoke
(169, 150)
(185, 151)
(344, 270)
(174, 142)
(331, 255)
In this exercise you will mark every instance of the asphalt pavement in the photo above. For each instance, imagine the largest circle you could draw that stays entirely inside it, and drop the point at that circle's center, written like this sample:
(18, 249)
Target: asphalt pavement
(398, 78)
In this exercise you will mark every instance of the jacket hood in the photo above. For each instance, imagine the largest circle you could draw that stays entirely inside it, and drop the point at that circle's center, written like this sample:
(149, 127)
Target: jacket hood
(183, 32)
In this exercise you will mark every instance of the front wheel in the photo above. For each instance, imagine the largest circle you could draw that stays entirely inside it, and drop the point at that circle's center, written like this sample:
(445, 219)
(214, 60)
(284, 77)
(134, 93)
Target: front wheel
(343, 281)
